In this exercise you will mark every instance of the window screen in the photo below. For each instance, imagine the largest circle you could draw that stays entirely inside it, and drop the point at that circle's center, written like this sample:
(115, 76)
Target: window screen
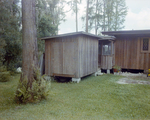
(107, 48)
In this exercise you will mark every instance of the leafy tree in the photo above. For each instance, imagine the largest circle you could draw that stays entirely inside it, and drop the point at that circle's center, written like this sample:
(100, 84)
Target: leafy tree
(120, 12)
(87, 18)
(2, 51)
(29, 46)
(114, 12)
(75, 9)
(49, 15)
(10, 32)
(106, 15)
(32, 87)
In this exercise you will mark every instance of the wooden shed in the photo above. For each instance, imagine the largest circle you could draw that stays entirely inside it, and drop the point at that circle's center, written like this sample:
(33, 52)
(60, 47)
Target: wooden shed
(131, 49)
(72, 55)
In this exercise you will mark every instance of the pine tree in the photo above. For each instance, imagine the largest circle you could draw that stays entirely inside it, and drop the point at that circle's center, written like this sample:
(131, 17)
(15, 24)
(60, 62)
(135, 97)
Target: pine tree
(105, 15)
(75, 9)
(32, 86)
(87, 16)
(120, 12)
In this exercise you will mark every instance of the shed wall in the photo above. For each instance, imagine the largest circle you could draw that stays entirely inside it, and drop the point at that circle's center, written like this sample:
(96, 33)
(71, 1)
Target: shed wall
(74, 56)
(61, 57)
(128, 53)
(88, 55)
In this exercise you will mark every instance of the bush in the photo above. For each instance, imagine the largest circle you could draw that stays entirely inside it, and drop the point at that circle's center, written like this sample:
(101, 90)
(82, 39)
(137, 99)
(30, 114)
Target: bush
(3, 69)
(4, 76)
(40, 89)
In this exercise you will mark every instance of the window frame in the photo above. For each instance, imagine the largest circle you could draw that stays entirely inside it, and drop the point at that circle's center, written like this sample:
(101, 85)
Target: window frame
(145, 51)
(109, 43)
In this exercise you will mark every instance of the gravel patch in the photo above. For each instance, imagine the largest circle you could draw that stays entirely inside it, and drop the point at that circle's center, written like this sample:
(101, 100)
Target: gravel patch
(130, 81)
(127, 74)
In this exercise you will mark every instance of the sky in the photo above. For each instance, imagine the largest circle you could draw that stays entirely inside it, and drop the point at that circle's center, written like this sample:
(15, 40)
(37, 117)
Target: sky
(138, 17)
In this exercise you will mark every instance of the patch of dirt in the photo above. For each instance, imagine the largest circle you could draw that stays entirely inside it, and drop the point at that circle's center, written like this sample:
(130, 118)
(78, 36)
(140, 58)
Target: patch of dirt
(131, 81)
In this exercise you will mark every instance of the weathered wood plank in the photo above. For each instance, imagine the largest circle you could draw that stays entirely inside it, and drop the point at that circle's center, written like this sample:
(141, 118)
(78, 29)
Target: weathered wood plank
(147, 61)
(76, 55)
(128, 53)
(46, 58)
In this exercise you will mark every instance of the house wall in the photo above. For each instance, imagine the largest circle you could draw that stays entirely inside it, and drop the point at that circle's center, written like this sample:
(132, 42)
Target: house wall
(128, 53)
(73, 56)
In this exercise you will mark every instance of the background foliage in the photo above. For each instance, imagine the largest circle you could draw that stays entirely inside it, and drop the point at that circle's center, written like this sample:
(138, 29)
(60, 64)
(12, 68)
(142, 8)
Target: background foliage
(49, 14)
(10, 33)
(106, 15)
(103, 15)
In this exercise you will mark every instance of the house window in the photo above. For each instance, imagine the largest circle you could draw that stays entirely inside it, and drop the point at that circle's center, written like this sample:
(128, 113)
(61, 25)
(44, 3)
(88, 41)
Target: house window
(106, 48)
(145, 46)
(99, 49)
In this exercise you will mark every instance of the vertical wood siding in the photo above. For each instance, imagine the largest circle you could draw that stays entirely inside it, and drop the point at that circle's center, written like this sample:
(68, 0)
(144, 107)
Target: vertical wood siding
(128, 54)
(106, 61)
(60, 56)
(74, 55)
(88, 55)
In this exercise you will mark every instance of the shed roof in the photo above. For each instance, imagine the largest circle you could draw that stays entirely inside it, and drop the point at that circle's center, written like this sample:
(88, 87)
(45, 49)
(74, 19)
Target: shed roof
(79, 33)
(127, 32)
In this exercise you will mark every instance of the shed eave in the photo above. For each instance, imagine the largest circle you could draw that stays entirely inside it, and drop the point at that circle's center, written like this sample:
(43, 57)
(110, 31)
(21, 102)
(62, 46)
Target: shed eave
(108, 38)
(127, 32)
(73, 34)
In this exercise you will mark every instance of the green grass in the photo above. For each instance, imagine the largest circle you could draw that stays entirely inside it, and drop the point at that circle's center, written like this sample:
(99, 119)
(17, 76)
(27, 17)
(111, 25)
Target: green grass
(95, 98)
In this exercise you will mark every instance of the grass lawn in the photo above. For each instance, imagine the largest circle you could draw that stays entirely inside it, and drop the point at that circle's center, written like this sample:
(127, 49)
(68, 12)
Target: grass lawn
(95, 98)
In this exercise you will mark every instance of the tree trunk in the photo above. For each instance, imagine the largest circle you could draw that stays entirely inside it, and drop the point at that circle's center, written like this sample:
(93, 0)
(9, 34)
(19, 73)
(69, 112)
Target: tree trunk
(87, 11)
(29, 39)
(116, 17)
(76, 16)
(96, 18)
(104, 16)
(11, 6)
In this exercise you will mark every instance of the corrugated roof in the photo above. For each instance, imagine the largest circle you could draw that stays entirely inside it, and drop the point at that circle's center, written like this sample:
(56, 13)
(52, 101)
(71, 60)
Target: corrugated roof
(78, 33)
(127, 32)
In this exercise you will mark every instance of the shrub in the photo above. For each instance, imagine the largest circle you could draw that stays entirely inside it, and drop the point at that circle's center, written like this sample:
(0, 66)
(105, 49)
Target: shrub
(40, 89)
(3, 69)
(4, 76)
(118, 68)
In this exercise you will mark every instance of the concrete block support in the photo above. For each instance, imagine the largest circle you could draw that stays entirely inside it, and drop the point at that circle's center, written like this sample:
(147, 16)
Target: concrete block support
(108, 71)
(76, 80)
(98, 73)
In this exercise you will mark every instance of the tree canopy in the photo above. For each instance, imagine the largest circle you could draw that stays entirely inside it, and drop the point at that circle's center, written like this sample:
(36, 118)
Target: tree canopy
(10, 35)
(105, 15)
(49, 14)
(101, 15)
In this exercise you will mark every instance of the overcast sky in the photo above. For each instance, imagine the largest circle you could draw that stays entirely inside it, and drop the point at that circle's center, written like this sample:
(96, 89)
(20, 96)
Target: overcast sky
(138, 17)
